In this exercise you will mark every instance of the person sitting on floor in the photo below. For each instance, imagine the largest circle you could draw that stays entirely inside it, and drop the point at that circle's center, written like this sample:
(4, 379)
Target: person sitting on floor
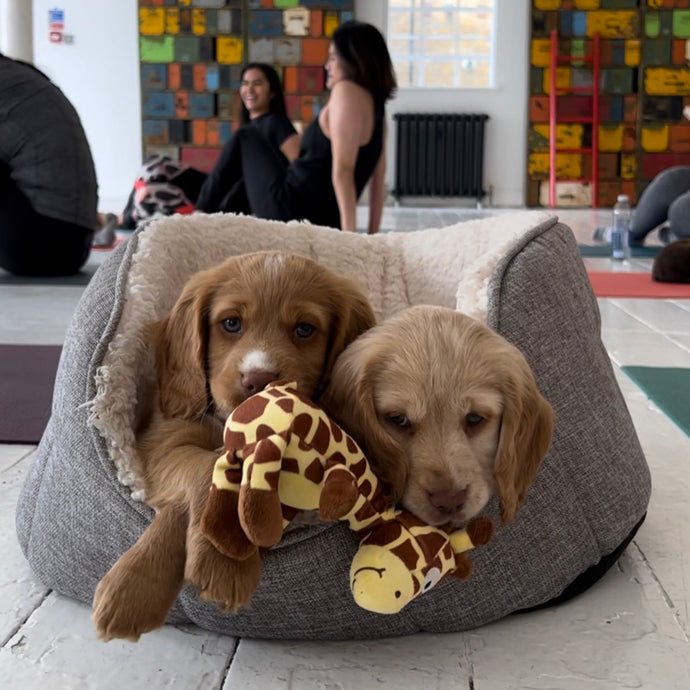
(165, 186)
(666, 202)
(263, 106)
(341, 151)
(48, 187)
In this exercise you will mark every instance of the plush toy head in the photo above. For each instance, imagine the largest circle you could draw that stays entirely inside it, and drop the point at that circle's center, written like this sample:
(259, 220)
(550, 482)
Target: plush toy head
(283, 454)
(402, 557)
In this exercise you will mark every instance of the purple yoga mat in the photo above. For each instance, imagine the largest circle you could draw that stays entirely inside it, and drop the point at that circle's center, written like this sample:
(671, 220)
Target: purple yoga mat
(27, 376)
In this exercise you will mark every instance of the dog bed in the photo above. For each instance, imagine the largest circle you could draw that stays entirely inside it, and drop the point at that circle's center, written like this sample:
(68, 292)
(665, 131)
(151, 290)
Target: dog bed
(81, 506)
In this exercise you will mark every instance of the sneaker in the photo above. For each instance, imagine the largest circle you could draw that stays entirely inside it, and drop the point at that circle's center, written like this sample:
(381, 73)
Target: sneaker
(602, 234)
(105, 237)
(666, 235)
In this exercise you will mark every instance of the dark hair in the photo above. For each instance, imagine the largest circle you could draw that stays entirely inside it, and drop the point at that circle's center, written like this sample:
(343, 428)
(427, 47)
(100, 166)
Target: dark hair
(363, 50)
(277, 103)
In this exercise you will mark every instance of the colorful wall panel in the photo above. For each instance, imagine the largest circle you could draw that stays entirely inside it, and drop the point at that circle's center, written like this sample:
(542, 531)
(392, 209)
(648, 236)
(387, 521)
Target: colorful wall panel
(644, 86)
(191, 55)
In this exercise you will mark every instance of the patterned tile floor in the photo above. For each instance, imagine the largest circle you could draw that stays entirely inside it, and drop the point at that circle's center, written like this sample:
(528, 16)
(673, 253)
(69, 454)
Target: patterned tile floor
(630, 631)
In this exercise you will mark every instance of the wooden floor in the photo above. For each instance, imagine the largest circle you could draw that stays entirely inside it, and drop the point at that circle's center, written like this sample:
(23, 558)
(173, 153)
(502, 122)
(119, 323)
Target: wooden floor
(629, 631)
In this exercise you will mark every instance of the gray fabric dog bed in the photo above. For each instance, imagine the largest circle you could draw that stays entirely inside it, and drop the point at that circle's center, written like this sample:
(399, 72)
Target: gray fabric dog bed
(81, 506)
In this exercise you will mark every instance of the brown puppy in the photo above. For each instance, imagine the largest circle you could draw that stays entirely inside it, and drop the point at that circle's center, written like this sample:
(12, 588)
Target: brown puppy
(447, 411)
(253, 319)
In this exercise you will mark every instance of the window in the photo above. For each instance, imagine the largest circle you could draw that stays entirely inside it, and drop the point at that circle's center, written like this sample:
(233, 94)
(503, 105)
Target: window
(442, 43)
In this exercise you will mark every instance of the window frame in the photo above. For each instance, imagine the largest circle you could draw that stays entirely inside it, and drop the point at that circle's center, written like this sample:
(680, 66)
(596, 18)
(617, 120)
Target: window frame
(455, 60)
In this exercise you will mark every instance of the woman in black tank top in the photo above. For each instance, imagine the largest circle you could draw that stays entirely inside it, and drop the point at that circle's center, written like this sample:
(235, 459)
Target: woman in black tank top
(323, 183)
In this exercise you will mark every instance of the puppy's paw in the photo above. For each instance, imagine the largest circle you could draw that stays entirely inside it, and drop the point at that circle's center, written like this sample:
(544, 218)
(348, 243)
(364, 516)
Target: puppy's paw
(224, 581)
(129, 602)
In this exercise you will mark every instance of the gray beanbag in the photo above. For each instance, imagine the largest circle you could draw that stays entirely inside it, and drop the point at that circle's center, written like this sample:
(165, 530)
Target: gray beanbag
(81, 506)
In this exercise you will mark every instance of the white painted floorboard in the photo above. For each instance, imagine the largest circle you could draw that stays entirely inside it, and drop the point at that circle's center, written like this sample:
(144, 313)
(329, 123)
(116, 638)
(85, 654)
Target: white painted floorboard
(20, 593)
(56, 649)
(629, 631)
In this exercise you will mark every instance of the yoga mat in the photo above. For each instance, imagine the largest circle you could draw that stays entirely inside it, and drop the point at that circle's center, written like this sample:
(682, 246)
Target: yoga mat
(27, 376)
(668, 388)
(634, 284)
(604, 250)
(81, 278)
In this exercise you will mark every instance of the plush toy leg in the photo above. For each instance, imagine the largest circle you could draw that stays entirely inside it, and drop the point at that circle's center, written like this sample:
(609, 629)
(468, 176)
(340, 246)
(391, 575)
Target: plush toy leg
(261, 516)
(338, 495)
(260, 509)
(221, 526)
(480, 530)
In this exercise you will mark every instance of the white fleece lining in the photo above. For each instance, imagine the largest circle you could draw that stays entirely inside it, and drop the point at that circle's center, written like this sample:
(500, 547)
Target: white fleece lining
(448, 266)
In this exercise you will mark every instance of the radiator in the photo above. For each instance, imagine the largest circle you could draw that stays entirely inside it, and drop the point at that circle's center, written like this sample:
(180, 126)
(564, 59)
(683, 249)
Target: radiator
(439, 155)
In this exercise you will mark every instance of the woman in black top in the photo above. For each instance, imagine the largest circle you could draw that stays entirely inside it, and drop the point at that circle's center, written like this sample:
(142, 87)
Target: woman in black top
(48, 190)
(263, 109)
(263, 106)
(340, 151)
(165, 186)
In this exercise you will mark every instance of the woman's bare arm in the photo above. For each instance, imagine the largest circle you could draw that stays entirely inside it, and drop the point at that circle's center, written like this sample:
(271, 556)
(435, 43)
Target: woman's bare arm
(377, 190)
(350, 120)
(290, 147)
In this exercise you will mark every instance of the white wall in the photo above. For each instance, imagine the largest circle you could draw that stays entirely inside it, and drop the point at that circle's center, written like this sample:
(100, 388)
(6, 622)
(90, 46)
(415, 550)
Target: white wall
(15, 29)
(99, 73)
(505, 161)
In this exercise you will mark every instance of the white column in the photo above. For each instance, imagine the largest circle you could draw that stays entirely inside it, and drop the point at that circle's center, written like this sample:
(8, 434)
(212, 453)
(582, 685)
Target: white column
(16, 37)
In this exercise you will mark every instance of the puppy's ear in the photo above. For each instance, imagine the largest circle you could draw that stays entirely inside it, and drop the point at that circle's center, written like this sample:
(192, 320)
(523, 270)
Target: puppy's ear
(352, 315)
(350, 401)
(525, 436)
(180, 342)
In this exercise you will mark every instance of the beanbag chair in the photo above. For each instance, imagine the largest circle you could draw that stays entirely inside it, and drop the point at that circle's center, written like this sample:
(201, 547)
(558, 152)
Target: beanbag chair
(81, 506)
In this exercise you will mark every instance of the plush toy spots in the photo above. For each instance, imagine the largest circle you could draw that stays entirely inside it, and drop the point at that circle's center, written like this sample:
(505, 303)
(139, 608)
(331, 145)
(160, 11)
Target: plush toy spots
(283, 455)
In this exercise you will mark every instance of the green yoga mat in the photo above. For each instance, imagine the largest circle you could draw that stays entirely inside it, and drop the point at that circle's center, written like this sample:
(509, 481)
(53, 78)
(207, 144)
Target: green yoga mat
(604, 250)
(668, 388)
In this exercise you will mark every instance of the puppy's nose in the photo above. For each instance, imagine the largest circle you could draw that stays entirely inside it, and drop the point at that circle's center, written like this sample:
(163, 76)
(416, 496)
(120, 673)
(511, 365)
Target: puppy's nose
(257, 379)
(449, 500)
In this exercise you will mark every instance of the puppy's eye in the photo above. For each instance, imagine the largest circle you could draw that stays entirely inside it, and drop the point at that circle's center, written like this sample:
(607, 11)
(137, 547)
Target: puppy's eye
(399, 420)
(232, 325)
(473, 419)
(304, 330)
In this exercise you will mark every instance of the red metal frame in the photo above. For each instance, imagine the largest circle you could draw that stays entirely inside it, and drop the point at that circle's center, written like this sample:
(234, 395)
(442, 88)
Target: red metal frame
(555, 60)
(596, 65)
(552, 119)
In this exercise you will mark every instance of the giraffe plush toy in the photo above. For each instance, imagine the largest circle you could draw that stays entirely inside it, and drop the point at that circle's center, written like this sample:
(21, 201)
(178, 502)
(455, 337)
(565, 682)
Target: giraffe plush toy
(283, 454)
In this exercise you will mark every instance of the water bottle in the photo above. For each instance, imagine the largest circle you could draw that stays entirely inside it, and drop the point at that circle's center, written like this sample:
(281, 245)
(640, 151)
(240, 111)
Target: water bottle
(620, 233)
